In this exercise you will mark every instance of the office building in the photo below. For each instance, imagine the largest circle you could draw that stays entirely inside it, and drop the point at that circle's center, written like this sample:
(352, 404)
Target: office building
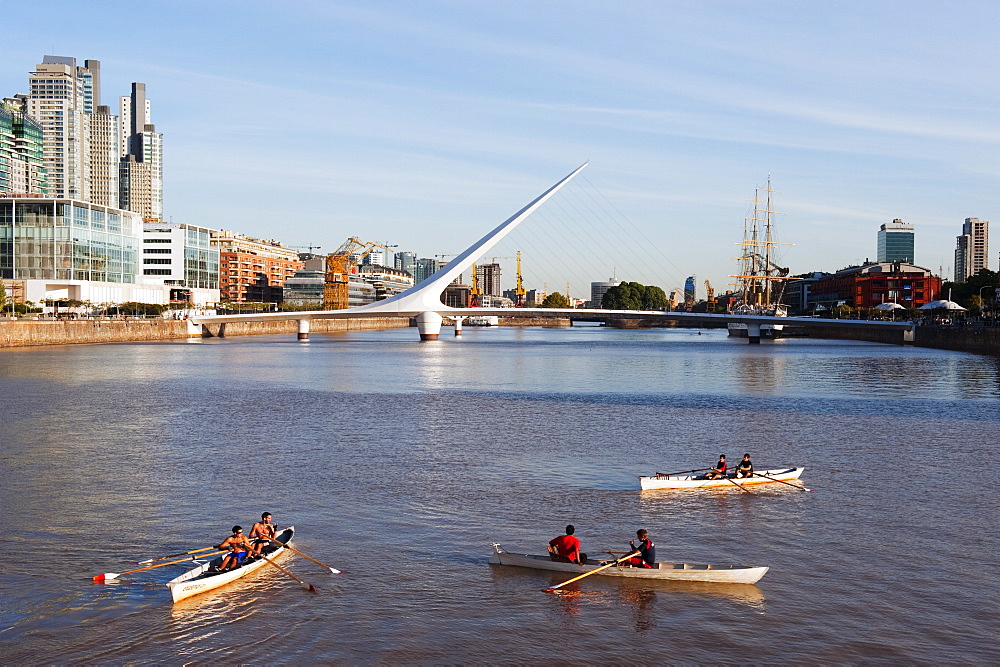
(972, 249)
(895, 242)
(405, 261)
(597, 290)
(22, 168)
(181, 258)
(872, 284)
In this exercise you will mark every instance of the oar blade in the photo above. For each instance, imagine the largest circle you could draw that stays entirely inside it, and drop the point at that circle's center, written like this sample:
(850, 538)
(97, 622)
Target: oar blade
(334, 570)
(107, 576)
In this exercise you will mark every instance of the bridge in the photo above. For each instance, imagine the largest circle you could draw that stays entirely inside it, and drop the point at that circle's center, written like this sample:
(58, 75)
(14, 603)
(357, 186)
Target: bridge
(423, 301)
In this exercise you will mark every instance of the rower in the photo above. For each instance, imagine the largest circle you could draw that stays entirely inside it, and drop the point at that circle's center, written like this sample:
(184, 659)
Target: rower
(744, 468)
(262, 533)
(719, 471)
(566, 548)
(238, 546)
(646, 549)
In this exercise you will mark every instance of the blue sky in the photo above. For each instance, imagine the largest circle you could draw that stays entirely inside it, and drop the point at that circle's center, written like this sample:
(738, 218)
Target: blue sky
(424, 124)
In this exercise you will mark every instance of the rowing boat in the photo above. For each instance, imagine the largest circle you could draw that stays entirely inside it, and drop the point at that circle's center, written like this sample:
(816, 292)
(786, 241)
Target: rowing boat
(658, 481)
(207, 576)
(717, 574)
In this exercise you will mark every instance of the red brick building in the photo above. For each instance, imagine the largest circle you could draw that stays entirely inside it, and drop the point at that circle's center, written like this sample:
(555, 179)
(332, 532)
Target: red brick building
(252, 270)
(869, 285)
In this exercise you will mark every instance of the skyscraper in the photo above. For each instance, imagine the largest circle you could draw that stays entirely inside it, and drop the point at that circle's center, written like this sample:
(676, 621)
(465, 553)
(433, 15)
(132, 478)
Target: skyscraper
(488, 276)
(141, 168)
(895, 242)
(972, 249)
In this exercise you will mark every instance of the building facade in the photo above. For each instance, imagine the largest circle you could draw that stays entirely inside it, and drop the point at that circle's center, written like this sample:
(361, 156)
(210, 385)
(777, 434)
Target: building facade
(141, 149)
(386, 281)
(597, 290)
(181, 258)
(895, 242)
(869, 285)
(972, 249)
(22, 166)
(253, 270)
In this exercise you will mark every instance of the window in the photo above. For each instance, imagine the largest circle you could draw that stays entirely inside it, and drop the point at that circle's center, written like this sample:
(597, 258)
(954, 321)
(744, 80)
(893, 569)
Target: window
(155, 261)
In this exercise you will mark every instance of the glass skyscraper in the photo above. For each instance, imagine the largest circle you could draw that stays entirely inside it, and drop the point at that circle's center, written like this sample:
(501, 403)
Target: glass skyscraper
(895, 242)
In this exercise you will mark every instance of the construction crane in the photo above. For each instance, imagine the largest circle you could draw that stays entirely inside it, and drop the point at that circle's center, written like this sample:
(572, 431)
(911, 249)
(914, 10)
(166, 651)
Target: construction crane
(310, 248)
(710, 304)
(475, 292)
(339, 266)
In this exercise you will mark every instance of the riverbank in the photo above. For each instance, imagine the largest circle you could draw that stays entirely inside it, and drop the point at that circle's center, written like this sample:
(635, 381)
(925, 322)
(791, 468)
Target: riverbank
(27, 333)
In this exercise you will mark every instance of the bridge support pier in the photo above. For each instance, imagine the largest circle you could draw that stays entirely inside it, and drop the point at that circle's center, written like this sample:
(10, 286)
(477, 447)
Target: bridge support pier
(429, 325)
(458, 325)
(194, 329)
(753, 334)
(303, 329)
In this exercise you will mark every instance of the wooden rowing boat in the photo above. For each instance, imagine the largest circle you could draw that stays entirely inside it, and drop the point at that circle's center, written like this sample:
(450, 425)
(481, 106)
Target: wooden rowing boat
(206, 576)
(717, 574)
(659, 482)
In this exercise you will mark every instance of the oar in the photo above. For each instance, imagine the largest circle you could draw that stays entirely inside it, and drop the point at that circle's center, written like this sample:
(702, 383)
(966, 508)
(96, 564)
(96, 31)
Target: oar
(114, 575)
(333, 570)
(306, 585)
(774, 479)
(594, 571)
(182, 553)
(683, 472)
(738, 485)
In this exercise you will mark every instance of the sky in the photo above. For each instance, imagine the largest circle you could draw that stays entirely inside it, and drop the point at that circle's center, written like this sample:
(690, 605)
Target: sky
(425, 124)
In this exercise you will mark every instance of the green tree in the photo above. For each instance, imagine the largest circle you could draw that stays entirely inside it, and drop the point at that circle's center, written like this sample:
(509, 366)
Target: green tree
(634, 296)
(555, 300)
(842, 311)
(3, 295)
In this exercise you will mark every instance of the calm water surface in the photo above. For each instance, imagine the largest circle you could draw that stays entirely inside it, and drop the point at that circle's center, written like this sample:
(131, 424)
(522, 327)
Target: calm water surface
(400, 462)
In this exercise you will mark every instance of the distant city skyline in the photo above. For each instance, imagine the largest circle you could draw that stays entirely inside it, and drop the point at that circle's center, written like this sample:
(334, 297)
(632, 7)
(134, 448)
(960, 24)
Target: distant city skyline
(425, 125)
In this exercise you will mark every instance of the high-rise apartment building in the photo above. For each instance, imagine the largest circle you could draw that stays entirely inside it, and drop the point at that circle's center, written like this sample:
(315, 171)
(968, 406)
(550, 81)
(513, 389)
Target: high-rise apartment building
(488, 276)
(405, 261)
(972, 249)
(253, 270)
(141, 150)
(895, 242)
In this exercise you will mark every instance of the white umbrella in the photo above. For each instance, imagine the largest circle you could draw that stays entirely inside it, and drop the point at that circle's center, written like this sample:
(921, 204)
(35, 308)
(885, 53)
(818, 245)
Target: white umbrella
(889, 306)
(941, 304)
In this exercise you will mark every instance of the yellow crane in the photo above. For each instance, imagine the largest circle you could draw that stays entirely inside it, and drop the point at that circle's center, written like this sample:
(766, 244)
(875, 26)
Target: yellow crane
(338, 271)
(710, 305)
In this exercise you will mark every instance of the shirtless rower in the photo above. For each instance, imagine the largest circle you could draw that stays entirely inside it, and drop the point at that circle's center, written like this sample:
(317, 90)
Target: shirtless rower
(238, 546)
(262, 533)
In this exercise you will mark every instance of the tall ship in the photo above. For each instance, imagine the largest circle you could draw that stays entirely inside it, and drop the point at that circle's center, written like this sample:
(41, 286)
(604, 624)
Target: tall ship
(760, 283)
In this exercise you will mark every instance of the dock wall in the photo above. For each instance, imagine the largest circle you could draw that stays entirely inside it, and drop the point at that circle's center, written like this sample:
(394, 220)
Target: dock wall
(76, 332)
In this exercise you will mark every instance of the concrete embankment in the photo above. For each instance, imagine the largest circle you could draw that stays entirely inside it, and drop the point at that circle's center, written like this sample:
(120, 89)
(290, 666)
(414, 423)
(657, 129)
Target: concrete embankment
(969, 338)
(24, 333)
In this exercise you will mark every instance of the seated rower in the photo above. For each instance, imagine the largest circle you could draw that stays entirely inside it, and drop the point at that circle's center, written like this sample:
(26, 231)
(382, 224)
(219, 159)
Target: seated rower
(238, 546)
(646, 549)
(566, 548)
(719, 471)
(745, 468)
(262, 533)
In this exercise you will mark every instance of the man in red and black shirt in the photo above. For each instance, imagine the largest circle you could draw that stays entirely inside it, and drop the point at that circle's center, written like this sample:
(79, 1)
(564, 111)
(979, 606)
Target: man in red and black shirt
(566, 548)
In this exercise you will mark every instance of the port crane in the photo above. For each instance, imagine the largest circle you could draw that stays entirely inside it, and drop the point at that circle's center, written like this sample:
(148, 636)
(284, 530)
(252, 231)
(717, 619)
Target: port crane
(710, 302)
(339, 267)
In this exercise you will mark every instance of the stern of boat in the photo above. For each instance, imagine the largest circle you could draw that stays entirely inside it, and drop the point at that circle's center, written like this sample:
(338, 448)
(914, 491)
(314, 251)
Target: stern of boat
(495, 556)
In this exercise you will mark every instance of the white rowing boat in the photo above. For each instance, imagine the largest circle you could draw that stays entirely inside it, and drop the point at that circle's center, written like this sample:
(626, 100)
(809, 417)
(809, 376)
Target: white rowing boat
(206, 576)
(691, 481)
(717, 574)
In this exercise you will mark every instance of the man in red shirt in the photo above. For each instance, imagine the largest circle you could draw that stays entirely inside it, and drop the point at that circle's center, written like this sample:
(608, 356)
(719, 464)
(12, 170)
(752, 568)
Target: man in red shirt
(566, 548)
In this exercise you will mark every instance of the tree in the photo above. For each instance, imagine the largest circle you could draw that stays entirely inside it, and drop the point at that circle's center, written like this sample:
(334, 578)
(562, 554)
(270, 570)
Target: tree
(634, 296)
(3, 295)
(842, 311)
(555, 300)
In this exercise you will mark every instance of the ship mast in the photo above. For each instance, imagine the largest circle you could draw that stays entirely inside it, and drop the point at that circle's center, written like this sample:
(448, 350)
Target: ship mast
(757, 268)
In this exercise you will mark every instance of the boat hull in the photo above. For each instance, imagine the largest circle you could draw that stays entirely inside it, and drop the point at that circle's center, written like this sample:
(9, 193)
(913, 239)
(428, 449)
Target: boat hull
(200, 580)
(718, 574)
(691, 482)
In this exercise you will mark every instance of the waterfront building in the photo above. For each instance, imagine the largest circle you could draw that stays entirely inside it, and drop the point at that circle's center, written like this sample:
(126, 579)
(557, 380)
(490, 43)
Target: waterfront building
(386, 281)
(488, 276)
(251, 269)
(875, 283)
(60, 97)
(456, 295)
(405, 261)
(305, 288)
(597, 290)
(22, 167)
(141, 150)
(895, 242)
(66, 249)
(972, 249)
(690, 291)
(182, 258)
(798, 291)
(424, 268)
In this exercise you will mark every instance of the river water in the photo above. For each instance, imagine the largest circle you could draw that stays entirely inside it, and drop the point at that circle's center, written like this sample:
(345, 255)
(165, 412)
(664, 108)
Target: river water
(399, 462)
